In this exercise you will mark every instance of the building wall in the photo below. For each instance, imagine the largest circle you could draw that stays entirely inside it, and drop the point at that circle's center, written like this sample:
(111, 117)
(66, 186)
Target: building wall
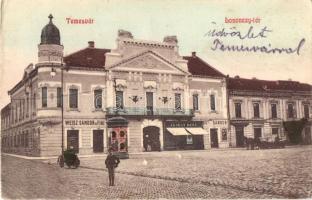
(265, 121)
(213, 119)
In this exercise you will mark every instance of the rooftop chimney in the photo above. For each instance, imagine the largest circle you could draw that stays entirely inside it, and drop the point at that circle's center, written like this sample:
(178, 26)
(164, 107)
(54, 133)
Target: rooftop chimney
(194, 54)
(91, 44)
(171, 39)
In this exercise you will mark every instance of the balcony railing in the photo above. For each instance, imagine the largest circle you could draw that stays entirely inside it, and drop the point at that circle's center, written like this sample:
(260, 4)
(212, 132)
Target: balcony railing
(132, 111)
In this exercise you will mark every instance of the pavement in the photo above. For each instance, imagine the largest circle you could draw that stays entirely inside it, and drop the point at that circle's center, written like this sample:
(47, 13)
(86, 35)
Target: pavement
(275, 173)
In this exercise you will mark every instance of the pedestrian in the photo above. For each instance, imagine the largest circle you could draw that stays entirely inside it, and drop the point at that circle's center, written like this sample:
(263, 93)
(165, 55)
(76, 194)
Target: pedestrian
(111, 163)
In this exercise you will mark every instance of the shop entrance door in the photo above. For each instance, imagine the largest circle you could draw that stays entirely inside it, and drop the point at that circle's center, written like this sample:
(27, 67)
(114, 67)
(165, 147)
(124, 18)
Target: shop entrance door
(73, 140)
(98, 141)
(257, 132)
(151, 140)
(240, 140)
(214, 138)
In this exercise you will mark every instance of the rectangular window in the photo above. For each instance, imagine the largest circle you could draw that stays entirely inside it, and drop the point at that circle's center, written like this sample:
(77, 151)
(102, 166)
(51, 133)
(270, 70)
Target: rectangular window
(44, 97)
(35, 103)
(20, 110)
(26, 139)
(274, 131)
(16, 111)
(73, 98)
(27, 106)
(290, 111)
(212, 102)
(273, 111)
(256, 110)
(195, 101)
(23, 108)
(177, 101)
(149, 103)
(119, 100)
(98, 99)
(238, 112)
(59, 97)
(306, 111)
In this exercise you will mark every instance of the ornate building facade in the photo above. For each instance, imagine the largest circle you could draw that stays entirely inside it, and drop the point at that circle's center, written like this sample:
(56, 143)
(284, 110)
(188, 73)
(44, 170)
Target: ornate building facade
(164, 101)
(140, 96)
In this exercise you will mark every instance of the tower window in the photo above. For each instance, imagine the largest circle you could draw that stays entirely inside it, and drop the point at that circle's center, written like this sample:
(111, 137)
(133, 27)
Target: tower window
(44, 97)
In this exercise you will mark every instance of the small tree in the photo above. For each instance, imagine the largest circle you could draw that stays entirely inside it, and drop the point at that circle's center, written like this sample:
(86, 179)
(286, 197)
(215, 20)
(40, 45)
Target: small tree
(294, 129)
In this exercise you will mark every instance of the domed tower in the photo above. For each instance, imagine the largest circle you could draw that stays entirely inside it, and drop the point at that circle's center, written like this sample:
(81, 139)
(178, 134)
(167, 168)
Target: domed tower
(50, 48)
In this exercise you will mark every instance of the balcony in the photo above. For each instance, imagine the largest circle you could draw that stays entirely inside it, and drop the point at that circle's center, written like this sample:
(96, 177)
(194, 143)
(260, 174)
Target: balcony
(135, 111)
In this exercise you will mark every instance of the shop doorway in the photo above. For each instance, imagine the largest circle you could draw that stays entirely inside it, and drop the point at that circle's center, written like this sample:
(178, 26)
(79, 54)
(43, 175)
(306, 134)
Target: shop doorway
(257, 133)
(98, 141)
(151, 140)
(73, 140)
(214, 138)
(307, 137)
(240, 140)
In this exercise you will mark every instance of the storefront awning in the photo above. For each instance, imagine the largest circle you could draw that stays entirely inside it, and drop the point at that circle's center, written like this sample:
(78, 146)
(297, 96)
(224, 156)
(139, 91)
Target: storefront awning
(197, 131)
(178, 131)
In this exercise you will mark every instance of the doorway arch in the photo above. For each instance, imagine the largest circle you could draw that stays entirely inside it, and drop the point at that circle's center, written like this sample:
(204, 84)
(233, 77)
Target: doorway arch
(151, 138)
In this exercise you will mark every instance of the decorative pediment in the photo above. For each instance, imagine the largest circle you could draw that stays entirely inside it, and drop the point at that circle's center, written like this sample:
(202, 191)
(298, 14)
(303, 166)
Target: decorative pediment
(120, 84)
(178, 86)
(150, 84)
(147, 61)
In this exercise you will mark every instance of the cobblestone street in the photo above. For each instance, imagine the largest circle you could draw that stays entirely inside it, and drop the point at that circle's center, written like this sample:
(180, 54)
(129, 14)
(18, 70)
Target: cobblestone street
(283, 173)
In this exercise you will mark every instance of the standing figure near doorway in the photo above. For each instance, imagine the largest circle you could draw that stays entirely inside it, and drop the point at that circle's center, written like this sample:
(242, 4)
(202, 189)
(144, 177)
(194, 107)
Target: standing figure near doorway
(111, 163)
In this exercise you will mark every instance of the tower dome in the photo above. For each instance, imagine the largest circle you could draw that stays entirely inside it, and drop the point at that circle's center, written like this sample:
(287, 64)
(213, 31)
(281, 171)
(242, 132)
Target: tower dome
(50, 34)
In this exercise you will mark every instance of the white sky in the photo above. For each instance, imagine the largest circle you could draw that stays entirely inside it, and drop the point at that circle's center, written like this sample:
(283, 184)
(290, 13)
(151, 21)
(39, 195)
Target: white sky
(290, 21)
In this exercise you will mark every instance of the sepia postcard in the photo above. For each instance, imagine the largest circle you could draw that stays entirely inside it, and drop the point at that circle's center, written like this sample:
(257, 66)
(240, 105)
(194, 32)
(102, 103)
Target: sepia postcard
(172, 99)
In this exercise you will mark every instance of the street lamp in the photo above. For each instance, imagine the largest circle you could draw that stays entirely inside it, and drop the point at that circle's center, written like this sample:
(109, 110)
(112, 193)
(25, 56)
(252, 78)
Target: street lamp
(53, 73)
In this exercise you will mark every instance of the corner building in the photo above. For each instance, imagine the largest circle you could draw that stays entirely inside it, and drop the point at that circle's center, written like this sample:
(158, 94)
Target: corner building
(164, 101)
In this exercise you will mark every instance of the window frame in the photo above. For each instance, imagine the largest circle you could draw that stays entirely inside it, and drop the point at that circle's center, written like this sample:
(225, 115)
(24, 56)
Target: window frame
(256, 109)
(195, 108)
(176, 102)
(274, 114)
(306, 112)
(100, 90)
(59, 96)
(122, 105)
(44, 97)
(70, 96)
(292, 110)
(240, 110)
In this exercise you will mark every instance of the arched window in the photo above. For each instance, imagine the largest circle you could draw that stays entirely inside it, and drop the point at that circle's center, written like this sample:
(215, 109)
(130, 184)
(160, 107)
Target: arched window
(98, 98)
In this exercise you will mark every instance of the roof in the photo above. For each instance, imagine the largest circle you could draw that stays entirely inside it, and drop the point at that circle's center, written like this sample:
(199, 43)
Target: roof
(88, 57)
(50, 34)
(6, 109)
(196, 66)
(265, 85)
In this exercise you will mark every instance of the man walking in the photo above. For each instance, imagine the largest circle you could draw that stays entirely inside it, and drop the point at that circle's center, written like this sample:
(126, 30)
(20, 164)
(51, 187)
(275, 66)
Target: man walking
(111, 163)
